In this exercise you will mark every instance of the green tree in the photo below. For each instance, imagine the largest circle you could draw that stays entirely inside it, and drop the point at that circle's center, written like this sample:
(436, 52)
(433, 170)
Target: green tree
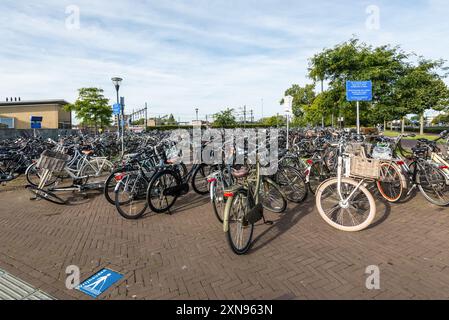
(353, 60)
(442, 118)
(423, 88)
(225, 118)
(273, 121)
(303, 98)
(92, 108)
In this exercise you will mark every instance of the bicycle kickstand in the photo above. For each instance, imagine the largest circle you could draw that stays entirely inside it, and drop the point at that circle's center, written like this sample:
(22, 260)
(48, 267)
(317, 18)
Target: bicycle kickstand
(267, 222)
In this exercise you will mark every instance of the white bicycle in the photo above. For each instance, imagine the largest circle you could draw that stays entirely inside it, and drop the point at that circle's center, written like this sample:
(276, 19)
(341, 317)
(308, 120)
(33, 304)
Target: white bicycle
(344, 202)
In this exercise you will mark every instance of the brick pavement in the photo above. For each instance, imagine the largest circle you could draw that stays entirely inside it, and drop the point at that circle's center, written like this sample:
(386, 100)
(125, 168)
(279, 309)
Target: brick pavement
(185, 255)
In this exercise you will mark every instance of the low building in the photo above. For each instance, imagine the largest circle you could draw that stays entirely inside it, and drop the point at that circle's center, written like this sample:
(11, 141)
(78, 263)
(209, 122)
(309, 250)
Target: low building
(17, 114)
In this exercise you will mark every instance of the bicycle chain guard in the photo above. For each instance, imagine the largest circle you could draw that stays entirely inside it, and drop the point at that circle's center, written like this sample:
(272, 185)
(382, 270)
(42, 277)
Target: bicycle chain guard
(177, 191)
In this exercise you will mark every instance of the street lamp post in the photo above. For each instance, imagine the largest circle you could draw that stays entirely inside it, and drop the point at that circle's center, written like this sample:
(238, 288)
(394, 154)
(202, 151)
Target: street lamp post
(117, 83)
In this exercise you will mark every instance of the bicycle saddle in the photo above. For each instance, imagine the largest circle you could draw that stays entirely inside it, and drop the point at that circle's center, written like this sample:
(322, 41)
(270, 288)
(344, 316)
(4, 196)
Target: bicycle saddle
(240, 174)
(88, 152)
(170, 161)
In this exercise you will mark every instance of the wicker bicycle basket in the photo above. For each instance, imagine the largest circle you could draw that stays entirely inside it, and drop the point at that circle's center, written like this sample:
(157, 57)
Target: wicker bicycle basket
(365, 168)
(53, 161)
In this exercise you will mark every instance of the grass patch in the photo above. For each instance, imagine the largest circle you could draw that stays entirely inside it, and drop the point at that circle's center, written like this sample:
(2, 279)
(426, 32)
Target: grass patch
(395, 134)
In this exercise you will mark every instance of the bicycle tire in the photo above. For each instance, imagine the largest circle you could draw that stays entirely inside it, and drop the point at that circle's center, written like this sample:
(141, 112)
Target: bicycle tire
(392, 191)
(125, 208)
(214, 198)
(109, 185)
(272, 187)
(295, 189)
(200, 173)
(436, 174)
(157, 186)
(32, 170)
(46, 195)
(331, 184)
(318, 174)
(245, 247)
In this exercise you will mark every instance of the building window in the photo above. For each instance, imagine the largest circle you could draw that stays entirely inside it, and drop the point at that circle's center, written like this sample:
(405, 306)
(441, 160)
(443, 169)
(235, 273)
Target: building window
(65, 125)
(6, 123)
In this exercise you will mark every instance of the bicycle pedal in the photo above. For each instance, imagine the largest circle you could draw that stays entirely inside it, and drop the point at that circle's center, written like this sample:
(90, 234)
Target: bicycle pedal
(269, 223)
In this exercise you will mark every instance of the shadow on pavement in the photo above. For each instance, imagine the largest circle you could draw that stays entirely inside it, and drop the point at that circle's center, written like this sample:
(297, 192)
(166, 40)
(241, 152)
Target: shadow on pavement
(286, 221)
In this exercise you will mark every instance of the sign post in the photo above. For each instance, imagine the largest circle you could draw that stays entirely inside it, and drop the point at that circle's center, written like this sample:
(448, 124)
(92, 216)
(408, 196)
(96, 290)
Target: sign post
(359, 91)
(122, 103)
(116, 110)
(288, 100)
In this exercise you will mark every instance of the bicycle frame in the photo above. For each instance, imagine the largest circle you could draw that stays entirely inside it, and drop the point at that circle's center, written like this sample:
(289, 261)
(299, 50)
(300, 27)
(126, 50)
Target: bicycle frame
(340, 176)
(255, 196)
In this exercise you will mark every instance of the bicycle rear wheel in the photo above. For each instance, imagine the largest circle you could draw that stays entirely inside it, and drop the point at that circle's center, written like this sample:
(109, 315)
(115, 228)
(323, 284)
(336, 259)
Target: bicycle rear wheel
(34, 176)
(391, 184)
(199, 180)
(356, 215)
(240, 231)
(318, 174)
(433, 185)
(272, 198)
(110, 184)
(292, 184)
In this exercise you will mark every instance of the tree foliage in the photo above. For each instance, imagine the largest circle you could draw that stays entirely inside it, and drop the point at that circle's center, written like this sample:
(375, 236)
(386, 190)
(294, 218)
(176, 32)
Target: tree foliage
(225, 118)
(400, 86)
(92, 108)
(273, 121)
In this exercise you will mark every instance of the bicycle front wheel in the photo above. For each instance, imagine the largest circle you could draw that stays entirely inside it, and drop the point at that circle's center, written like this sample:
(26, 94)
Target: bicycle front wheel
(130, 198)
(46, 195)
(163, 191)
(355, 214)
(218, 200)
(240, 231)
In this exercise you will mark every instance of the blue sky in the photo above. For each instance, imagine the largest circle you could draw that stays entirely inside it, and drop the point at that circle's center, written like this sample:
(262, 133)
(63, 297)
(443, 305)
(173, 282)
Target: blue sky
(178, 55)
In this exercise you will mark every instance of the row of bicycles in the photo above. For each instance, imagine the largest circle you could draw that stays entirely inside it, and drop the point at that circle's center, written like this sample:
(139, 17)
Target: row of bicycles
(345, 172)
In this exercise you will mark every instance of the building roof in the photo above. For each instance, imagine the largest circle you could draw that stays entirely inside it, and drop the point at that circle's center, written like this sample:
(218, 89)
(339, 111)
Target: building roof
(30, 103)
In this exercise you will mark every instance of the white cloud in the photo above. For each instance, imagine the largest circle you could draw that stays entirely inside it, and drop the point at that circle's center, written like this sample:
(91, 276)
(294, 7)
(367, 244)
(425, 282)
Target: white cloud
(178, 55)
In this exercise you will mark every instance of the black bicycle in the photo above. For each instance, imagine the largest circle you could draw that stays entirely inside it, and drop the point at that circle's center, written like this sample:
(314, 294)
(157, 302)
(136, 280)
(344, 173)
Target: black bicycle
(169, 184)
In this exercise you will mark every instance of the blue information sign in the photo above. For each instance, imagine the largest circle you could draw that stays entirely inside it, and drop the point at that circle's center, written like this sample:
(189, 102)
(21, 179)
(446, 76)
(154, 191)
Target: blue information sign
(359, 91)
(36, 122)
(117, 109)
(36, 119)
(99, 283)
